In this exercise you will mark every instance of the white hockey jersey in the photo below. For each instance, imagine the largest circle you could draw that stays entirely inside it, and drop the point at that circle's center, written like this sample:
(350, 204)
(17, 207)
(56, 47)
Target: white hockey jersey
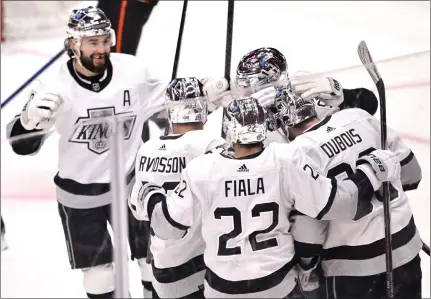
(126, 88)
(178, 265)
(356, 247)
(244, 206)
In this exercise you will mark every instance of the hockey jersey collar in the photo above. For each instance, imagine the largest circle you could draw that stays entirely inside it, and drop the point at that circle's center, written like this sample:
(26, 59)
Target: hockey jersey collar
(96, 83)
(171, 137)
(252, 156)
(319, 124)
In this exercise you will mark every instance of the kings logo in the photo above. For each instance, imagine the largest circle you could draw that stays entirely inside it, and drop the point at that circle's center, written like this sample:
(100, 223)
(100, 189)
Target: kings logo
(95, 133)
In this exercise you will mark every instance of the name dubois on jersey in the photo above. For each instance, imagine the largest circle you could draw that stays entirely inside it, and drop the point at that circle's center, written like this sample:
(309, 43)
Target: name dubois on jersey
(162, 164)
(340, 143)
(95, 133)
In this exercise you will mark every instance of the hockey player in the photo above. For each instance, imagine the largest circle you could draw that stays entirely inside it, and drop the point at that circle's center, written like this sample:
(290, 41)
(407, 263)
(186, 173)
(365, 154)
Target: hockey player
(262, 69)
(243, 202)
(353, 256)
(92, 84)
(178, 266)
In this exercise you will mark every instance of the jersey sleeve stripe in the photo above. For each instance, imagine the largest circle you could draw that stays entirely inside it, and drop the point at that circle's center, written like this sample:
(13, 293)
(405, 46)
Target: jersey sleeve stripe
(169, 218)
(307, 250)
(330, 201)
(407, 159)
(411, 174)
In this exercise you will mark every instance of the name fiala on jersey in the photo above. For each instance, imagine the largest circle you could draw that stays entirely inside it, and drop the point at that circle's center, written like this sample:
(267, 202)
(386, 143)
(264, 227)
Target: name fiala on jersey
(340, 143)
(244, 187)
(96, 133)
(162, 164)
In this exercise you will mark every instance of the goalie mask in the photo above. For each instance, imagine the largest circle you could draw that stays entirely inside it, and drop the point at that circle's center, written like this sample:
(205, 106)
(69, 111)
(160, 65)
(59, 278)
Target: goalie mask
(259, 68)
(186, 101)
(90, 21)
(244, 121)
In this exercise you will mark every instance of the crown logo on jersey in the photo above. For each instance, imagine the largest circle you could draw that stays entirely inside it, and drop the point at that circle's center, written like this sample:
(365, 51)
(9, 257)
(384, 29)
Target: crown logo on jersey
(243, 168)
(162, 148)
(95, 133)
(329, 129)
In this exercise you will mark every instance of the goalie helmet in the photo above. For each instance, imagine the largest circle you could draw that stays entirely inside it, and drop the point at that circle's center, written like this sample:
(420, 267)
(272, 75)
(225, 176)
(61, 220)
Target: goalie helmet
(90, 21)
(258, 68)
(186, 101)
(245, 121)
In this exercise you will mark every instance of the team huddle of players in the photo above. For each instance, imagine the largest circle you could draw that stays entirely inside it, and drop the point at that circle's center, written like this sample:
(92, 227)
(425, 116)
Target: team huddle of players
(275, 194)
(236, 217)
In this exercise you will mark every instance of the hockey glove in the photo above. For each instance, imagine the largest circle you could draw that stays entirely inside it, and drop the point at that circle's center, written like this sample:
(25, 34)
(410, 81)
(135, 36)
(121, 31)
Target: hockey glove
(218, 91)
(141, 204)
(307, 274)
(380, 166)
(40, 111)
(266, 96)
(309, 86)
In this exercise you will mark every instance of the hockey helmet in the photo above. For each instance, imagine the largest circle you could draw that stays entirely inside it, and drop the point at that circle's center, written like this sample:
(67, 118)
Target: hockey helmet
(259, 68)
(90, 21)
(244, 121)
(186, 101)
(298, 110)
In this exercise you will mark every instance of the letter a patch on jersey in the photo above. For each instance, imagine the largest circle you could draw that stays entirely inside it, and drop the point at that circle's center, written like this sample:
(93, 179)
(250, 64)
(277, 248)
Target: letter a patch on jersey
(96, 133)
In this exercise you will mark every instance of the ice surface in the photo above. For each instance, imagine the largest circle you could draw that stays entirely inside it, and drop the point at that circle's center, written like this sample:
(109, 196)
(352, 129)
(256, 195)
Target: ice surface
(314, 36)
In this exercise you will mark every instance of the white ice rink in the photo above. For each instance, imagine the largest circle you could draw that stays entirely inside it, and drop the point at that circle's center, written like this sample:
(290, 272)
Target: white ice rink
(314, 36)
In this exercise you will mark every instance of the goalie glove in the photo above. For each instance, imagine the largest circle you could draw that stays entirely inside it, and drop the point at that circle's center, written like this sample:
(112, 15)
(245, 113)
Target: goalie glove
(140, 202)
(40, 111)
(309, 86)
(380, 166)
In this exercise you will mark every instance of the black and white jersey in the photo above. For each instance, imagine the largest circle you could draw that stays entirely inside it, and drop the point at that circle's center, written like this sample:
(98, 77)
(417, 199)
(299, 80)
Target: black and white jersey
(243, 205)
(356, 247)
(126, 89)
(178, 265)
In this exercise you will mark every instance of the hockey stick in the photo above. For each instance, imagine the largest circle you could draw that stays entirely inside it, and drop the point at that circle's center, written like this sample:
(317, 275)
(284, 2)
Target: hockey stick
(425, 248)
(370, 66)
(180, 39)
(228, 49)
(229, 31)
(40, 71)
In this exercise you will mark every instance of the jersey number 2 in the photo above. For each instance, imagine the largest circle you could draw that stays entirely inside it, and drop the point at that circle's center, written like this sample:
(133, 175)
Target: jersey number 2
(237, 228)
(346, 168)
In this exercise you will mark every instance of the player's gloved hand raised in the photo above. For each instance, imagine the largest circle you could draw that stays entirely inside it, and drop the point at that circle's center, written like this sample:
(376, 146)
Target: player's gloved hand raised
(385, 165)
(143, 203)
(40, 111)
(218, 89)
(265, 96)
(309, 86)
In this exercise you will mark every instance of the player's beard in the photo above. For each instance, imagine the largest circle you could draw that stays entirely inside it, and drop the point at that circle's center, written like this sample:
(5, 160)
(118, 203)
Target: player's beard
(87, 62)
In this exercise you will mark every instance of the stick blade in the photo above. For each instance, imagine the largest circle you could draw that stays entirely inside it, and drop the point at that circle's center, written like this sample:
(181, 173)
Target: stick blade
(368, 62)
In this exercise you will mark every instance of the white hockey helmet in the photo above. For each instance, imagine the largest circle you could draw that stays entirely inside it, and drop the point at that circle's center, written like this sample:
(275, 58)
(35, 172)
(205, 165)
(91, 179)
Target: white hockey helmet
(298, 110)
(260, 68)
(245, 121)
(89, 21)
(186, 101)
